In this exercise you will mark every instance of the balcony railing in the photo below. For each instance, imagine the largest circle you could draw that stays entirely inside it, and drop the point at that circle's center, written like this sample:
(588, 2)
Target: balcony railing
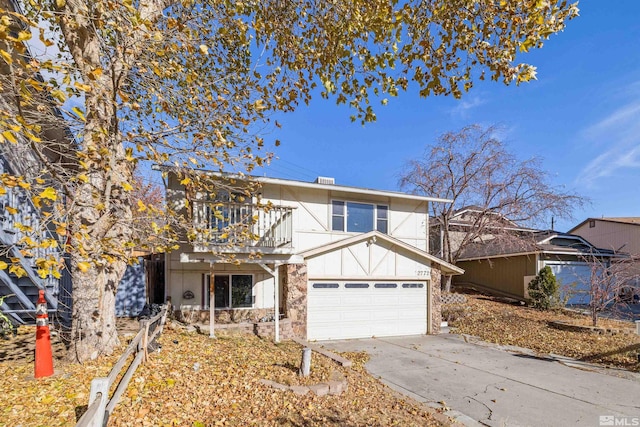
(241, 225)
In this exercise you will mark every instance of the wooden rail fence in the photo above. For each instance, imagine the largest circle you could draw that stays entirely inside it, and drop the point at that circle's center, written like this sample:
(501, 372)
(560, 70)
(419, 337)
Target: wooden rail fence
(100, 405)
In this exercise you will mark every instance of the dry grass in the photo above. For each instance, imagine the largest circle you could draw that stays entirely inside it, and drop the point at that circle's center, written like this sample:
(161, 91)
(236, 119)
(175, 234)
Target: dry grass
(57, 400)
(508, 324)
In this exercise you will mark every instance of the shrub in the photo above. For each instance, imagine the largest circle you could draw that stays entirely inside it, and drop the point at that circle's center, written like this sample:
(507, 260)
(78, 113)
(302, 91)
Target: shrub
(453, 312)
(544, 290)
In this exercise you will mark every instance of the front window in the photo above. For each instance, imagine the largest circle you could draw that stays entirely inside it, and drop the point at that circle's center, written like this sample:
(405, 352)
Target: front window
(230, 290)
(359, 217)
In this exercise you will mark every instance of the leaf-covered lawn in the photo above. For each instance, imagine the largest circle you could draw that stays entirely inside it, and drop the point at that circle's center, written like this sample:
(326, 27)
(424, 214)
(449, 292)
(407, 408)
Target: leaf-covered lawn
(52, 401)
(509, 324)
(197, 381)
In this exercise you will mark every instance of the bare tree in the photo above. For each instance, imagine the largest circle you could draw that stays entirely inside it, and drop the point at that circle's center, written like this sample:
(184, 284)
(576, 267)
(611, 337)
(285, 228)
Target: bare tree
(472, 167)
(611, 286)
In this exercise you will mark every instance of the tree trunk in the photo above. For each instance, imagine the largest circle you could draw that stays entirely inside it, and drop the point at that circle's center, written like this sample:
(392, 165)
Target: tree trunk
(446, 283)
(100, 220)
(93, 331)
(447, 250)
(99, 254)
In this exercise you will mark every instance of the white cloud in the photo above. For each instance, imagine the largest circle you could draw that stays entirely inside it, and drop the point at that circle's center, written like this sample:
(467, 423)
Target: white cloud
(617, 137)
(466, 104)
(619, 119)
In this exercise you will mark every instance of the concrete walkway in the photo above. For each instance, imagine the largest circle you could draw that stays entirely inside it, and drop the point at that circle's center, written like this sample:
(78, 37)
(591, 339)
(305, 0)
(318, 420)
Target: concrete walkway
(484, 384)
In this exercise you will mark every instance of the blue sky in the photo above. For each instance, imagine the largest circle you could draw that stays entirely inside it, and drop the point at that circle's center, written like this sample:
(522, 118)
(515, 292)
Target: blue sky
(582, 116)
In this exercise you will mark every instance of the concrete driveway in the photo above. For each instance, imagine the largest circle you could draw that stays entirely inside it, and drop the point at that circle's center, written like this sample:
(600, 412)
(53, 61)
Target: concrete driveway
(490, 385)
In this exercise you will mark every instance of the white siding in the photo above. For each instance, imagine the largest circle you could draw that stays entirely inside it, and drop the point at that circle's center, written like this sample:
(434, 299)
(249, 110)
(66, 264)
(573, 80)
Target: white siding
(365, 259)
(184, 277)
(407, 221)
(311, 223)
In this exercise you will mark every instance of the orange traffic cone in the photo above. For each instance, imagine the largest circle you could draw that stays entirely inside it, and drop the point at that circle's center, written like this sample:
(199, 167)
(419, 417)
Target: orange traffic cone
(44, 357)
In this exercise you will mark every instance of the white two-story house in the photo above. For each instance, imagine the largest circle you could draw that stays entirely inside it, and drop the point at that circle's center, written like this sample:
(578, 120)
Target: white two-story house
(336, 261)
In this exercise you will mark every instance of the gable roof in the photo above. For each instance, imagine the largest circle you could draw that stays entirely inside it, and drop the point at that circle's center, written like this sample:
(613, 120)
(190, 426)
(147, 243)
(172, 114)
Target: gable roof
(626, 220)
(376, 235)
(460, 218)
(347, 189)
(633, 220)
(542, 241)
(314, 185)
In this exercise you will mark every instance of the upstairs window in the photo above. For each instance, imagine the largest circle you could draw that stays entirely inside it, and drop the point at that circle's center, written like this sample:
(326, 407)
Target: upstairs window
(356, 217)
(382, 220)
(359, 217)
(337, 215)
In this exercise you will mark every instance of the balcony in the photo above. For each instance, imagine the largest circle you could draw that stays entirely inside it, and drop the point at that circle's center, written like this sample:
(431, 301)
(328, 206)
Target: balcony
(241, 225)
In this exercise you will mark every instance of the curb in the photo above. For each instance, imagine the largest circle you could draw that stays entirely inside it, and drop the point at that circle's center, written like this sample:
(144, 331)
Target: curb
(593, 329)
(567, 361)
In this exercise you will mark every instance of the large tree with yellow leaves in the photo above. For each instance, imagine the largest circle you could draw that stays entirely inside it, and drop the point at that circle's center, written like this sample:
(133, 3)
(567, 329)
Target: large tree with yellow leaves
(191, 83)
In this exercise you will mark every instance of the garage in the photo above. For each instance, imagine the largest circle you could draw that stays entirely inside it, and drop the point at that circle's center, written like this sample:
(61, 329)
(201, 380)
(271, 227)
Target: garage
(366, 308)
(573, 278)
(370, 285)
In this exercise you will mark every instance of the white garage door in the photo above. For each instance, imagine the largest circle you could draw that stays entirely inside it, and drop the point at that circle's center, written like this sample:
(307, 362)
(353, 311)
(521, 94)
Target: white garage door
(574, 279)
(361, 309)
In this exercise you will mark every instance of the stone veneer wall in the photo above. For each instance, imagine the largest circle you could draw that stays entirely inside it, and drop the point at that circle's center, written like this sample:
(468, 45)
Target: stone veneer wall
(267, 329)
(236, 315)
(294, 279)
(436, 301)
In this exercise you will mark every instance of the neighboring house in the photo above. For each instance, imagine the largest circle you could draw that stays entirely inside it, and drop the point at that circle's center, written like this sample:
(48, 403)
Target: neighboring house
(507, 268)
(141, 283)
(462, 224)
(18, 215)
(19, 218)
(16, 207)
(336, 261)
(619, 234)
